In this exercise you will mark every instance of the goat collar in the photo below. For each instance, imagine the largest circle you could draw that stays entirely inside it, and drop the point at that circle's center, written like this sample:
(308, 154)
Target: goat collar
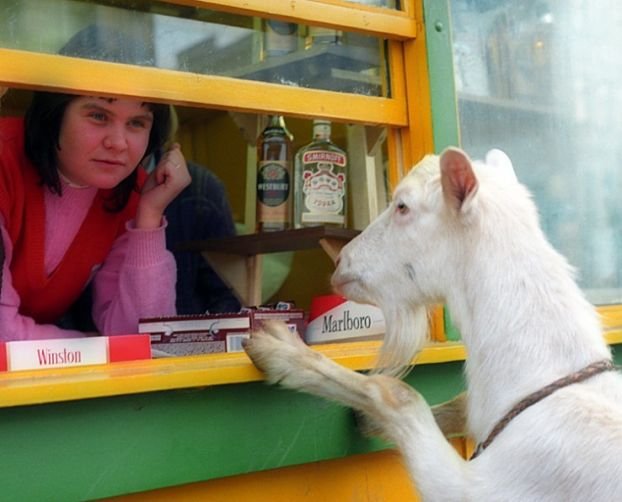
(579, 376)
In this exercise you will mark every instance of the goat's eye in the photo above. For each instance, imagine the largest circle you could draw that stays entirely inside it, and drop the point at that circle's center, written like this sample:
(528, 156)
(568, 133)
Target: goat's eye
(401, 207)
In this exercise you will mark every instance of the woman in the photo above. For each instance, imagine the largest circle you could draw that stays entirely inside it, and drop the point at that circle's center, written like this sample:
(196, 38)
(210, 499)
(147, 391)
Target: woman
(76, 206)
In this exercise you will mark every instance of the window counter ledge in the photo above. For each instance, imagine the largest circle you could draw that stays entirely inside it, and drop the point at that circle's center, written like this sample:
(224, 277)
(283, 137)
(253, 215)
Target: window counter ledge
(67, 384)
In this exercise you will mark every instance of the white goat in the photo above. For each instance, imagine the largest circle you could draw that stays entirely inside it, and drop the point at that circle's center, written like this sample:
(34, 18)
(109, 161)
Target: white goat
(468, 235)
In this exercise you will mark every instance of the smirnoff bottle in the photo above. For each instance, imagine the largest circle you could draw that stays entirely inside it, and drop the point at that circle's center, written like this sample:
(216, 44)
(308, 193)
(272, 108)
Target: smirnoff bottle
(274, 177)
(320, 181)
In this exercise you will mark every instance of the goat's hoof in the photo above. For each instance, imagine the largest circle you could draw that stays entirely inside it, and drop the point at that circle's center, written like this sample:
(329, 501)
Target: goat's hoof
(273, 348)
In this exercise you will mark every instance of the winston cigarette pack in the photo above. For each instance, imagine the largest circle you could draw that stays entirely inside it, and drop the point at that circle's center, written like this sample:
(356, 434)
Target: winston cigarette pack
(57, 353)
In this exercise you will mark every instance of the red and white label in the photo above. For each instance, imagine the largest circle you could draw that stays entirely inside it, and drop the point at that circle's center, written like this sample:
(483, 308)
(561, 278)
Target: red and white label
(333, 318)
(57, 353)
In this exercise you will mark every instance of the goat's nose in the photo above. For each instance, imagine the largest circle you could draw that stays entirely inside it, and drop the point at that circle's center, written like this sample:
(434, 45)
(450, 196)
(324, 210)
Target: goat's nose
(338, 260)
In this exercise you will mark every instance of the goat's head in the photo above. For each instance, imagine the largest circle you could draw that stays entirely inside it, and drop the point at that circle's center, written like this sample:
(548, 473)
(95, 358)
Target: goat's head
(413, 252)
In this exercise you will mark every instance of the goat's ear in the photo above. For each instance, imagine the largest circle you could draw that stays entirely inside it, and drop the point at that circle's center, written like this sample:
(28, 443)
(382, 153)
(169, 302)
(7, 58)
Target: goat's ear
(500, 161)
(457, 178)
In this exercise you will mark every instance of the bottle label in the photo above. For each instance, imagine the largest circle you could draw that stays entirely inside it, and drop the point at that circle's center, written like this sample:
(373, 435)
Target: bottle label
(273, 190)
(316, 156)
(324, 187)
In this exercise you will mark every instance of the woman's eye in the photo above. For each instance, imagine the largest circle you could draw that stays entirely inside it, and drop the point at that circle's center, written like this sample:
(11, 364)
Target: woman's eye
(137, 124)
(401, 208)
(98, 116)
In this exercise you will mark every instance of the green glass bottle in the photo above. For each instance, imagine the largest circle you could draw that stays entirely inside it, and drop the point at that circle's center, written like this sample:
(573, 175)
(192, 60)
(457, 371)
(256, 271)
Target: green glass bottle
(274, 177)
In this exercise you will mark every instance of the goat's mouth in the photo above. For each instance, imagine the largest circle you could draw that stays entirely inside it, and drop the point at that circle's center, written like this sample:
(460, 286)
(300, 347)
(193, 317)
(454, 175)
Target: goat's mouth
(344, 284)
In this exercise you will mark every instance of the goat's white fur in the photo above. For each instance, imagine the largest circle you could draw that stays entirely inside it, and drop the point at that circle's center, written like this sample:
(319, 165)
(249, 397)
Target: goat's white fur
(467, 234)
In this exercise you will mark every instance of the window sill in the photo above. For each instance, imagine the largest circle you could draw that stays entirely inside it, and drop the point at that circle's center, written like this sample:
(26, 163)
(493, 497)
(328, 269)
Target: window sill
(67, 384)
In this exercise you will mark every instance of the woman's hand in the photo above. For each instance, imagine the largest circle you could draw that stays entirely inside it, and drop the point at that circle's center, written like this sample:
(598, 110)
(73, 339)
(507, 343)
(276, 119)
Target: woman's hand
(166, 181)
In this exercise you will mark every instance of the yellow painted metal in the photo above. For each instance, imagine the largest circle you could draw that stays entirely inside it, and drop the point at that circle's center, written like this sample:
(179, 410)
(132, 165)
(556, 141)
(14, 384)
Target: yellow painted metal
(61, 73)
(410, 79)
(611, 316)
(66, 384)
(437, 324)
(418, 97)
(396, 165)
(347, 16)
(396, 162)
(365, 477)
(613, 337)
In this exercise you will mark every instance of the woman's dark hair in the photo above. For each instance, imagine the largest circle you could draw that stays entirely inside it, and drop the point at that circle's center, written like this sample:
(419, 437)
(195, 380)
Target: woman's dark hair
(42, 130)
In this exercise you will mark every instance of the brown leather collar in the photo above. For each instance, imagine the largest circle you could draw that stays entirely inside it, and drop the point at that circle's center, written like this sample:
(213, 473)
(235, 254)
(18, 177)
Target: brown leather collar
(579, 376)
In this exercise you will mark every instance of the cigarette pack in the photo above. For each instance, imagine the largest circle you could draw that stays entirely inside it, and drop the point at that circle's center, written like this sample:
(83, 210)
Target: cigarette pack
(333, 318)
(212, 333)
(61, 352)
(196, 334)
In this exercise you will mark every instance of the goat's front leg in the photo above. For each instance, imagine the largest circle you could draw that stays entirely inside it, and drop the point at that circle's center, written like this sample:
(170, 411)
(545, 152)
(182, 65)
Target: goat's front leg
(450, 416)
(401, 413)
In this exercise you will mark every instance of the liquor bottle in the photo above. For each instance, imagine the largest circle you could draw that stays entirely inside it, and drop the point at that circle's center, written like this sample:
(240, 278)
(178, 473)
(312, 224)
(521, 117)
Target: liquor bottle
(274, 177)
(320, 180)
(280, 38)
(318, 35)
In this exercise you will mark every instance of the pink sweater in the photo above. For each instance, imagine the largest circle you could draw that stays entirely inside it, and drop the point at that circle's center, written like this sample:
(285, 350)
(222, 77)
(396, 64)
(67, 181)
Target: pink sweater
(136, 280)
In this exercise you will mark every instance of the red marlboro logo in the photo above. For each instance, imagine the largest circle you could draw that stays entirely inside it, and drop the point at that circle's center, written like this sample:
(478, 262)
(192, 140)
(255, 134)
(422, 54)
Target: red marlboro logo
(322, 304)
(334, 318)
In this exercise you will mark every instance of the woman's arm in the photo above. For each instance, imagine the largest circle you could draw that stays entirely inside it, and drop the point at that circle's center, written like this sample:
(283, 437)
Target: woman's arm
(137, 280)
(13, 325)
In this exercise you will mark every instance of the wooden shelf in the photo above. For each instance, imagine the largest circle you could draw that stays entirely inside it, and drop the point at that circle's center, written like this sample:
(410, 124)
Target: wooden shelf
(271, 242)
(342, 68)
(238, 259)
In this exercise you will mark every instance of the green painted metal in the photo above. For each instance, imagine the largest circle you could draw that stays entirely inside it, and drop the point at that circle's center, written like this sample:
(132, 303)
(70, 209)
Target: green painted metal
(95, 448)
(445, 125)
(89, 449)
(445, 128)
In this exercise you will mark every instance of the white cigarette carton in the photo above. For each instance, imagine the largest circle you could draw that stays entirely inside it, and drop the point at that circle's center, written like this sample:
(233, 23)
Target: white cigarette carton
(333, 318)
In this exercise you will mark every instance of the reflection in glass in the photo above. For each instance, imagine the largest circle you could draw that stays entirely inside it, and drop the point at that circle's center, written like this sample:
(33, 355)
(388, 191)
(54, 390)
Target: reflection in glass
(542, 80)
(391, 4)
(198, 41)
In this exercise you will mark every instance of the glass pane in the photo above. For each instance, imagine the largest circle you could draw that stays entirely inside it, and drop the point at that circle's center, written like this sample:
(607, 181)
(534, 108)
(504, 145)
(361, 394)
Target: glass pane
(542, 80)
(225, 142)
(198, 41)
(390, 4)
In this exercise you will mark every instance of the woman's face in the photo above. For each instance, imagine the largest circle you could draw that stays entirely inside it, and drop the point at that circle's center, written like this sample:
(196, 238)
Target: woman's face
(102, 140)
